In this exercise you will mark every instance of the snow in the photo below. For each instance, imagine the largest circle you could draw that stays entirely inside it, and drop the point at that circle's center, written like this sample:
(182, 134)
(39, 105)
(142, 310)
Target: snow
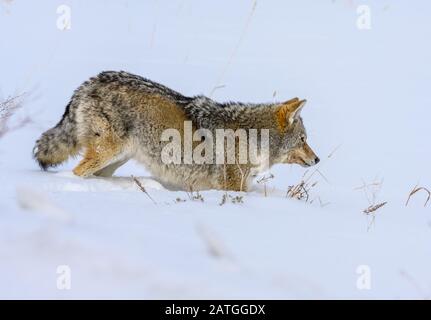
(368, 100)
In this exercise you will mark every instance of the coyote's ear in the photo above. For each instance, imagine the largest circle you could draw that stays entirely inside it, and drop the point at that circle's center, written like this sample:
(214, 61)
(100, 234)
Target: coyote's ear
(296, 99)
(288, 111)
(296, 111)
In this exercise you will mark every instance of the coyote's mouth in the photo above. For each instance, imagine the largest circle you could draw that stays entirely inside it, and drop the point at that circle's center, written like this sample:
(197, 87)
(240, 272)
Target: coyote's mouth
(304, 164)
(298, 161)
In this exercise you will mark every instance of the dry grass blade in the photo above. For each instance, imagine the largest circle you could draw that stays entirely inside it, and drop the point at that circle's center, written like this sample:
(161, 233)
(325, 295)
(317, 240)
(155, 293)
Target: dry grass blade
(364, 185)
(322, 175)
(194, 196)
(237, 199)
(371, 190)
(197, 197)
(300, 191)
(235, 50)
(139, 184)
(7, 109)
(263, 181)
(223, 199)
(333, 151)
(415, 284)
(374, 208)
(233, 199)
(417, 189)
(307, 177)
(322, 204)
(244, 174)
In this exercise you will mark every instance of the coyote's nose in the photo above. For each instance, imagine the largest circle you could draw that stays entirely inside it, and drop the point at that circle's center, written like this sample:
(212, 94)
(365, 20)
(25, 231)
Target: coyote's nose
(316, 160)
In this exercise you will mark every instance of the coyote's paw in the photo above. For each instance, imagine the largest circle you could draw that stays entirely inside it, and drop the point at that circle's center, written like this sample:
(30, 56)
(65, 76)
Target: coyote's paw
(81, 173)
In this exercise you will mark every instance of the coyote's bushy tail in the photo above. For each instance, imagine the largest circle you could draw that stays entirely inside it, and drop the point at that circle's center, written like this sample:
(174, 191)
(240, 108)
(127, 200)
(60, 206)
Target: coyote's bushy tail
(57, 144)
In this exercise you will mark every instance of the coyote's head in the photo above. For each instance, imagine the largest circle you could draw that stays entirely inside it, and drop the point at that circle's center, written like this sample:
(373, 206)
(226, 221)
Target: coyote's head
(293, 138)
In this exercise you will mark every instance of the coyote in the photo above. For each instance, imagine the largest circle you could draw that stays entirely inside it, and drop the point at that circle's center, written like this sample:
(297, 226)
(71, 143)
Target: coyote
(118, 116)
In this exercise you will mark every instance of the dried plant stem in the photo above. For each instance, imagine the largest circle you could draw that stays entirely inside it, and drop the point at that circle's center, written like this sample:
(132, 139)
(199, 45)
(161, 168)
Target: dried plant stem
(238, 44)
(225, 176)
(416, 189)
(7, 109)
(194, 196)
(263, 181)
(299, 191)
(374, 208)
(243, 176)
(139, 184)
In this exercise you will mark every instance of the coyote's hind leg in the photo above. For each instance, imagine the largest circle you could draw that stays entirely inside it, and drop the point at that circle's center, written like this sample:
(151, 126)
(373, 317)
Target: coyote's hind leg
(109, 170)
(100, 157)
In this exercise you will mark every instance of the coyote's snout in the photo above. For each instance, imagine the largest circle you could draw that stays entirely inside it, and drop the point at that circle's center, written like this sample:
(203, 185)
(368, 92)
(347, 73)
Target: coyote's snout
(303, 155)
(117, 116)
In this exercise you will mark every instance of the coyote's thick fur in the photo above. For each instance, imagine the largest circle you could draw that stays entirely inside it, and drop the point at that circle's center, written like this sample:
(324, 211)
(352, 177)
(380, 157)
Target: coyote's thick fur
(117, 116)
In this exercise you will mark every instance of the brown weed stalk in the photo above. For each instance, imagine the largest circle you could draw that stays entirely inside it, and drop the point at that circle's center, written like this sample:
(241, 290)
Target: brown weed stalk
(417, 189)
(141, 187)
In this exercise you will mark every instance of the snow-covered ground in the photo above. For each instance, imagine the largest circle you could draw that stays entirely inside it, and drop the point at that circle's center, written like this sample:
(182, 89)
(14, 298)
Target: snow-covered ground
(369, 107)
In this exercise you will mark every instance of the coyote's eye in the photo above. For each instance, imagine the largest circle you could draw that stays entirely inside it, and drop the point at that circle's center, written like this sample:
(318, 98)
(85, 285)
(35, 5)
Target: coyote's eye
(303, 139)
